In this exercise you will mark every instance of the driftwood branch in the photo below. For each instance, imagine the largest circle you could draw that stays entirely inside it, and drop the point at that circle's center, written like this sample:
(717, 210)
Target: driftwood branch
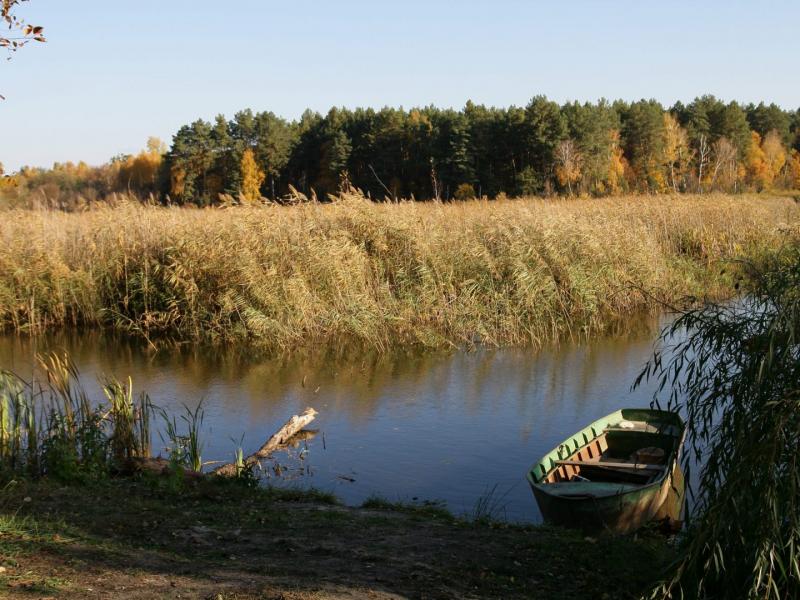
(278, 440)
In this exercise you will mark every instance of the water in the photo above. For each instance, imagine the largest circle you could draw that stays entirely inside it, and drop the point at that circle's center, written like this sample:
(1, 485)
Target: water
(421, 426)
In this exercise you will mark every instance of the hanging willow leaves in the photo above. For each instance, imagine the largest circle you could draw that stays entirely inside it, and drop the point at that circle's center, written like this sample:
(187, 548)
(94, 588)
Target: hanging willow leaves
(733, 370)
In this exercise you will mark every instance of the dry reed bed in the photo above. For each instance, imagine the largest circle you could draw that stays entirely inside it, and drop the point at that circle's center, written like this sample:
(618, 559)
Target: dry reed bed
(507, 272)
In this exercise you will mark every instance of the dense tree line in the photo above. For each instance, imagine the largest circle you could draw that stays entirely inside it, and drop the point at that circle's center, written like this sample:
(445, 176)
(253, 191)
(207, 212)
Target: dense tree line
(541, 149)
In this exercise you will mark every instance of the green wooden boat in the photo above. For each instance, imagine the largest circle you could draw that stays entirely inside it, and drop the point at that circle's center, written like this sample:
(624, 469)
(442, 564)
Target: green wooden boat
(618, 473)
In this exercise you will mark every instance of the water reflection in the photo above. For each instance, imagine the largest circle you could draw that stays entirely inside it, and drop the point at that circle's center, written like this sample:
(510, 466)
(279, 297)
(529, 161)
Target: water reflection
(427, 425)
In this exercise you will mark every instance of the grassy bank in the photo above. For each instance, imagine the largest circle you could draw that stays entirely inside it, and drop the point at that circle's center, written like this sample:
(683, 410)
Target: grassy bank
(131, 539)
(506, 272)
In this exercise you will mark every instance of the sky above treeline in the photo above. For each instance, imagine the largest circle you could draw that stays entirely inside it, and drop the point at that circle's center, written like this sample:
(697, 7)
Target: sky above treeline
(114, 73)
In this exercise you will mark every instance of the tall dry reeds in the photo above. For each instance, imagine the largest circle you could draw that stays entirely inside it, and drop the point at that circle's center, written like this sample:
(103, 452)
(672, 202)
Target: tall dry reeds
(495, 272)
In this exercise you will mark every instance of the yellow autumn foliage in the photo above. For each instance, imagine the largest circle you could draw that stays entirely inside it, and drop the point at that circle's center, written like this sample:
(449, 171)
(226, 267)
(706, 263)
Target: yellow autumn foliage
(140, 172)
(568, 164)
(774, 153)
(758, 171)
(618, 166)
(794, 169)
(252, 177)
(677, 151)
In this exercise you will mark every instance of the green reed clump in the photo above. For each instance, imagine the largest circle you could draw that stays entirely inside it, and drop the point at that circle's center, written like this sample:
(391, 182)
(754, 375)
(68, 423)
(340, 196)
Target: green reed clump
(734, 372)
(184, 446)
(18, 425)
(493, 272)
(50, 427)
(131, 432)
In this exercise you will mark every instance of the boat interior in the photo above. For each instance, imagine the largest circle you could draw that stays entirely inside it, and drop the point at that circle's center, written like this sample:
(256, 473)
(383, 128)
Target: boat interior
(638, 455)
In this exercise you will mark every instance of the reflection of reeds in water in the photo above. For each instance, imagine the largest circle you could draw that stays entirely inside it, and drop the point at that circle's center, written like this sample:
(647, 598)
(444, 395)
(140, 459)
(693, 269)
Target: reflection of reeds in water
(49, 426)
(500, 273)
(353, 384)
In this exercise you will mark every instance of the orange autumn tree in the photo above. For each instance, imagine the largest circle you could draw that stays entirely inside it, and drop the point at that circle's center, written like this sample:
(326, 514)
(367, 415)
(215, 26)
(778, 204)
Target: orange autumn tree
(794, 169)
(774, 154)
(6, 181)
(756, 167)
(677, 152)
(618, 169)
(140, 172)
(724, 165)
(568, 164)
(252, 177)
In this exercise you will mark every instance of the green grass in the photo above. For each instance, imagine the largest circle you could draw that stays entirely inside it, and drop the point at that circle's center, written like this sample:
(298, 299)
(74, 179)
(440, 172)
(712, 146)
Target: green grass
(312, 495)
(431, 509)
(490, 506)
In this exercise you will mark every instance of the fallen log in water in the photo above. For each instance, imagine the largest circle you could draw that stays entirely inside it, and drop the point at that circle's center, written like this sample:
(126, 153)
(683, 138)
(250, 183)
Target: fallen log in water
(278, 440)
(291, 434)
(298, 438)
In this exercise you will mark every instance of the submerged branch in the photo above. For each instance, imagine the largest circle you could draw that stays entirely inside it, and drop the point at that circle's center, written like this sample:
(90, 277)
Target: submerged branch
(279, 439)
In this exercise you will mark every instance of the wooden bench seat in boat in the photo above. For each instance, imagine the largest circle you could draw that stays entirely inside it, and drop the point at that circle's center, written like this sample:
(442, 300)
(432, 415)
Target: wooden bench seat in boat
(585, 489)
(611, 465)
(642, 428)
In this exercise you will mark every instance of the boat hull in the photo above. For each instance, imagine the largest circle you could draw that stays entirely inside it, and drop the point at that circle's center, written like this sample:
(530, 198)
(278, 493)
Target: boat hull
(619, 506)
(621, 513)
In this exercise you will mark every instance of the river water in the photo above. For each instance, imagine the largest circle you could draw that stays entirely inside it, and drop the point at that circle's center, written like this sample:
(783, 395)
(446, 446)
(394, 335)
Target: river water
(454, 427)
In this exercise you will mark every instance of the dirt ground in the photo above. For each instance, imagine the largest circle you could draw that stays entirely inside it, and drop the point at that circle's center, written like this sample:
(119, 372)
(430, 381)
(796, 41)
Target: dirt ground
(139, 539)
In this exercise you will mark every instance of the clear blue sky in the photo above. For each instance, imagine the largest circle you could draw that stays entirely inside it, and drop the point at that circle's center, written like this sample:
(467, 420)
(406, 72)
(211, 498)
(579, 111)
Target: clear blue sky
(116, 71)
